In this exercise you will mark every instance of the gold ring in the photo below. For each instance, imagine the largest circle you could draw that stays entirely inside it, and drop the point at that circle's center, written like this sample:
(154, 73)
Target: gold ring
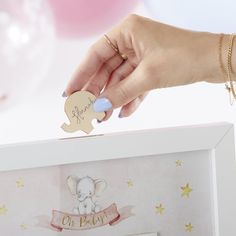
(115, 48)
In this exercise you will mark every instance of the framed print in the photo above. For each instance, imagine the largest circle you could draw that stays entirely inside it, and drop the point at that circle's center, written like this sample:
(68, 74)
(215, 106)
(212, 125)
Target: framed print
(164, 182)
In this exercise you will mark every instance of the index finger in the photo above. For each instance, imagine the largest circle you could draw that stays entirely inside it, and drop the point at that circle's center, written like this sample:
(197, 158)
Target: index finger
(97, 55)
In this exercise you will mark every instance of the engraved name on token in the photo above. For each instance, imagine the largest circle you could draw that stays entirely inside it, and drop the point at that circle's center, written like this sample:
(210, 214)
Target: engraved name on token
(79, 110)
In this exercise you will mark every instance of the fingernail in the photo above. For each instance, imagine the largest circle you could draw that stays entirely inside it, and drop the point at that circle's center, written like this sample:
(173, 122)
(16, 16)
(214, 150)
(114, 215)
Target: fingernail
(102, 104)
(121, 115)
(64, 94)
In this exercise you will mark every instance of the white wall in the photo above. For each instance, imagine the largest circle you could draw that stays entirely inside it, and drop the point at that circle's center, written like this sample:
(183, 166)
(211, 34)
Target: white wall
(42, 114)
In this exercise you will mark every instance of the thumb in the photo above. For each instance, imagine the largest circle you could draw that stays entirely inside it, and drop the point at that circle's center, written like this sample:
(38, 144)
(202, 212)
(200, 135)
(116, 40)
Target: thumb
(121, 93)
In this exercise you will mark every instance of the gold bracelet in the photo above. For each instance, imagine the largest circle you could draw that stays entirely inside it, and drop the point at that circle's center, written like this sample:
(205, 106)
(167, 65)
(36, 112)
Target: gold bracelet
(227, 73)
(229, 65)
(220, 55)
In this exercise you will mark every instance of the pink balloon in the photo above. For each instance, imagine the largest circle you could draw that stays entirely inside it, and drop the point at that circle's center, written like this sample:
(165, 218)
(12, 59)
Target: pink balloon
(81, 18)
(26, 48)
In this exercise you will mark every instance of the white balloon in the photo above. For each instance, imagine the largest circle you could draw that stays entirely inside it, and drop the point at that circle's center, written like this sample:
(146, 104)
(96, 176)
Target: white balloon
(205, 15)
(26, 47)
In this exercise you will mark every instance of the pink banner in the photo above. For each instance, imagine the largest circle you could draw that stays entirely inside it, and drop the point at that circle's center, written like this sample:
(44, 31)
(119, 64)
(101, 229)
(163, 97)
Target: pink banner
(61, 220)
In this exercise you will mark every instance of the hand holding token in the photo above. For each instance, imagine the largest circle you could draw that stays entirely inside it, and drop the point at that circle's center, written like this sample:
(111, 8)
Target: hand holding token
(139, 55)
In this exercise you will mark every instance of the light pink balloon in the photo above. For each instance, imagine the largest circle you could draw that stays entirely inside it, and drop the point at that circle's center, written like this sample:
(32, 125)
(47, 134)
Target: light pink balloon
(26, 48)
(81, 18)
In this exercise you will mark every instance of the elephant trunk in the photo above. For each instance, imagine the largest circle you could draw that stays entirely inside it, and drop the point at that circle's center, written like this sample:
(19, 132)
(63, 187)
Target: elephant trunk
(68, 128)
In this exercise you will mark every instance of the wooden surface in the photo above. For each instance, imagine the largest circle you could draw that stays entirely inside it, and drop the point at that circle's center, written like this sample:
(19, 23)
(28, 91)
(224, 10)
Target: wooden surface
(79, 110)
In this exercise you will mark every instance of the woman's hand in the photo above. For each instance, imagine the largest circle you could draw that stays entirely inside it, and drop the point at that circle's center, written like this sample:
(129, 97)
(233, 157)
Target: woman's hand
(159, 56)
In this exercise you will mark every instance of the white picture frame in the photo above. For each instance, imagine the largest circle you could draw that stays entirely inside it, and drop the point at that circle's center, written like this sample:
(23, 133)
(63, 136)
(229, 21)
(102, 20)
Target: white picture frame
(216, 138)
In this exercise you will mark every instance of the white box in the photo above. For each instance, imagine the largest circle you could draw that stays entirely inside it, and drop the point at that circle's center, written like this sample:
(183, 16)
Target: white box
(166, 182)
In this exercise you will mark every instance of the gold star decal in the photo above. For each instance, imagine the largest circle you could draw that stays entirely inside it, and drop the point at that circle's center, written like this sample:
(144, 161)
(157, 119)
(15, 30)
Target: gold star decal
(23, 226)
(160, 209)
(188, 227)
(178, 163)
(3, 210)
(130, 183)
(186, 190)
(20, 183)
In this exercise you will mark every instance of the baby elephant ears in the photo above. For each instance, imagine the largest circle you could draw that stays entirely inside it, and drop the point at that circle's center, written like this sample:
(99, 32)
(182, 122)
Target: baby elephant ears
(72, 183)
(100, 186)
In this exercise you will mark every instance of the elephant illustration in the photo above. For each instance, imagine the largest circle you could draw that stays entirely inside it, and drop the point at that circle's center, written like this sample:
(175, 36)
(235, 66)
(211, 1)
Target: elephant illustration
(85, 189)
(79, 110)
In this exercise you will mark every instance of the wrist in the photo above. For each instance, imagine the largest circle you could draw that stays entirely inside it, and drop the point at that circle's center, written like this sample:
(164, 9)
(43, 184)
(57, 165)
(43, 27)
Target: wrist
(209, 58)
(214, 58)
(224, 57)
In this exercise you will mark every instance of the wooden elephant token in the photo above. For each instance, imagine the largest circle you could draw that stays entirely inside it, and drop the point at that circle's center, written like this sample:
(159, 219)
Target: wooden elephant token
(79, 110)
